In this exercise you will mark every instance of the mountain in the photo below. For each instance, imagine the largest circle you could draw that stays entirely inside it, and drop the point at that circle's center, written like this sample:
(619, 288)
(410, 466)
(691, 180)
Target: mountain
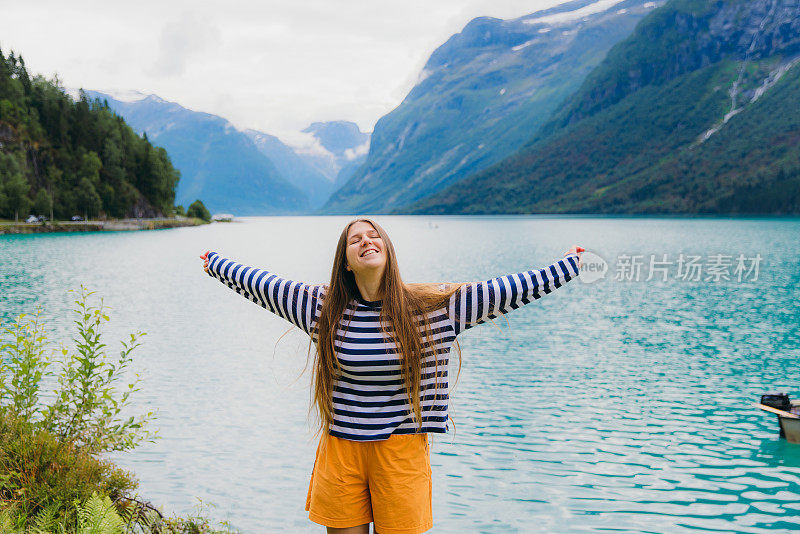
(302, 173)
(481, 96)
(337, 137)
(344, 149)
(218, 163)
(696, 112)
(337, 150)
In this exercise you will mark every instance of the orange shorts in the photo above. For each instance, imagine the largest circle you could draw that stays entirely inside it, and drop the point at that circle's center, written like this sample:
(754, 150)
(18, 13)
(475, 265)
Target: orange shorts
(358, 482)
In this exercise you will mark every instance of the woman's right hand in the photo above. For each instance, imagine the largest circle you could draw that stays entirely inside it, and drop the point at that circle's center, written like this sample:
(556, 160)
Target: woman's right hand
(205, 263)
(575, 249)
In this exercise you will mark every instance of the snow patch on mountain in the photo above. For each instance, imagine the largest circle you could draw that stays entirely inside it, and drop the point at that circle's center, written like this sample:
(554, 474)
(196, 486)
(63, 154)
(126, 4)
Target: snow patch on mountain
(571, 16)
(526, 44)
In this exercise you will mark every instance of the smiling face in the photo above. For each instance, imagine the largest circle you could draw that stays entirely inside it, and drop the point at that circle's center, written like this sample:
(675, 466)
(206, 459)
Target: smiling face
(365, 250)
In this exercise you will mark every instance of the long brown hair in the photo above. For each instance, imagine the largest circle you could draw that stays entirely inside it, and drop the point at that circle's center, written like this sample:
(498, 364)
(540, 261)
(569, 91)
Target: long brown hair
(402, 305)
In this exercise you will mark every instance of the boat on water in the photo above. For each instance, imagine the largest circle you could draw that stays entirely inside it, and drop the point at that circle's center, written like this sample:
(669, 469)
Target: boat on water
(788, 412)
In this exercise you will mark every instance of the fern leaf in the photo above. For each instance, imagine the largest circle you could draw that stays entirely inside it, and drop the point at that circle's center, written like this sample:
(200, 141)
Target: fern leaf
(47, 519)
(99, 516)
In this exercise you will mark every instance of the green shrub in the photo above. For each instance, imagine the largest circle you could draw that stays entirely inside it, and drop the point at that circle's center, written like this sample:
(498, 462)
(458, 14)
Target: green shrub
(87, 405)
(22, 346)
(198, 209)
(54, 426)
(40, 472)
(98, 515)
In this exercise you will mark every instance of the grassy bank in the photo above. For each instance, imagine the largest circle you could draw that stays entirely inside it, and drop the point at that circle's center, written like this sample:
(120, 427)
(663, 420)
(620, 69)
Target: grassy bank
(114, 225)
(62, 411)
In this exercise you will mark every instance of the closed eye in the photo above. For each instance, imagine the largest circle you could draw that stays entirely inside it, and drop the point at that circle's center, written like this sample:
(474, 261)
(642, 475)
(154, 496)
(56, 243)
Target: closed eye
(356, 239)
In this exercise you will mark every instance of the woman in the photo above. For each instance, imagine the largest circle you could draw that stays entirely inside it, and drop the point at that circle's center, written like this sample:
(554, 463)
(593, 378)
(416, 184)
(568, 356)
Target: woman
(380, 370)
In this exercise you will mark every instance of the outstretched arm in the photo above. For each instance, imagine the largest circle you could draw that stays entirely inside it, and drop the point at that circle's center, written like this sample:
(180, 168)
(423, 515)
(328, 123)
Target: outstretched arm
(475, 303)
(294, 301)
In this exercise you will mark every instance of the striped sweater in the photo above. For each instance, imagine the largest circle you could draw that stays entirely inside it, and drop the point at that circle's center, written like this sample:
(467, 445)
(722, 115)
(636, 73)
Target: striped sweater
(369, 400)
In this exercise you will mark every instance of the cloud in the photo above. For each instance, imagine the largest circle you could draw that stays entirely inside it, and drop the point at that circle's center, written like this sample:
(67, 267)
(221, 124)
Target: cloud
(182, 40)
(353, 153)
(305, 143)
(271, 65)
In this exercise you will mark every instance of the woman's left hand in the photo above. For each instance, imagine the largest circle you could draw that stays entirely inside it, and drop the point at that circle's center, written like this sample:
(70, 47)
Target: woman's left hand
(205, 262)
(575, 249)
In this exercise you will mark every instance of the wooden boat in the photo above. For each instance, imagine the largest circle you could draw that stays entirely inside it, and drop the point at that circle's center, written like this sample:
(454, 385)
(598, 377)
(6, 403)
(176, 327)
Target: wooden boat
(789, 421)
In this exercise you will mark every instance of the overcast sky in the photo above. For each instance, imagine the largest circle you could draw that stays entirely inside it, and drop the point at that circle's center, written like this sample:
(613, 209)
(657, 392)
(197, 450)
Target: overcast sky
(275, 66)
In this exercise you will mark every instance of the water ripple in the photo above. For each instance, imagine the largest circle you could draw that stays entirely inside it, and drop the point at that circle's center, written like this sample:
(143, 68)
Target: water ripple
(616, 406)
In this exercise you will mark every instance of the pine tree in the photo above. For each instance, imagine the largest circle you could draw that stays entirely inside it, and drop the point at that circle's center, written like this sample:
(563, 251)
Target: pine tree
(16, 191)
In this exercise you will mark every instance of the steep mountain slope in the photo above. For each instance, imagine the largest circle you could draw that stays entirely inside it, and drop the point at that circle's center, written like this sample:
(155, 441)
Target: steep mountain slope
(481, 96)
(218, 163)
(340, 147)
(344, 147)
(697, 112)
(297, 168)
(337, 137)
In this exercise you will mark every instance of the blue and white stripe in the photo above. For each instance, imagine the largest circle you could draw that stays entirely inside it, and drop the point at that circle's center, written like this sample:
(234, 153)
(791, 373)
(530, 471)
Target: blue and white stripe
(369, 399)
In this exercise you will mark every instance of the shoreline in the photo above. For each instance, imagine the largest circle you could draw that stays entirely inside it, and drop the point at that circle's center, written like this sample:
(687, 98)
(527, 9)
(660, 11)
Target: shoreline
(116, 225)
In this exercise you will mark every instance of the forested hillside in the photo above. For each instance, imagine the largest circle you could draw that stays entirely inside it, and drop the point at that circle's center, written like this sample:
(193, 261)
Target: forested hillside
(74, 157)
(696, 112)
(481, 96)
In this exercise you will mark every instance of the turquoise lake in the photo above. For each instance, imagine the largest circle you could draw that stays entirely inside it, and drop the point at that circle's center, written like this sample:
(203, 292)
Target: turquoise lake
(621, 405)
